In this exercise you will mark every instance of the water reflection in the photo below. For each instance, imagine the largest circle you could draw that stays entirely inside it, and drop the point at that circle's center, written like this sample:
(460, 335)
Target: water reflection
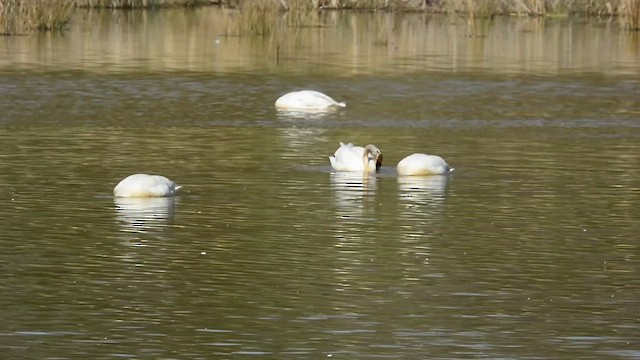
(354, 193)
(347, 43)
(422, 199)
(302, 144)
(422, 190)
(542, 226)
(305, 114)
(143, 215)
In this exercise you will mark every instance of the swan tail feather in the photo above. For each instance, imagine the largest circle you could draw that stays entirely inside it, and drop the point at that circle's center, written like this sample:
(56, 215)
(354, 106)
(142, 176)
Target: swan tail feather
(341, 104)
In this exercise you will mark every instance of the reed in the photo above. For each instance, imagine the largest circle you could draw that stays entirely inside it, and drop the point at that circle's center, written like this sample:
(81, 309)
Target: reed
(17, 16)
(372, 5)
(259, 17)
(489, 8)
(268, 17)
(9, 15)
(631, 14)
(49, 15)
(137, 4)
(265, 17)
(475, 8)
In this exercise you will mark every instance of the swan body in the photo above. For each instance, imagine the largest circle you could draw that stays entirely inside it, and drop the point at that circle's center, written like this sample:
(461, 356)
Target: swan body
(306, 100)
(423, 164)
(349, 157)
(145, 186)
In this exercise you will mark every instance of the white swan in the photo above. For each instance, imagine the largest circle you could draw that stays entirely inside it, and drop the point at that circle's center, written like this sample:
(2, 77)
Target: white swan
(356, 158)
(423, 164)
(145, 186)
(308, 100)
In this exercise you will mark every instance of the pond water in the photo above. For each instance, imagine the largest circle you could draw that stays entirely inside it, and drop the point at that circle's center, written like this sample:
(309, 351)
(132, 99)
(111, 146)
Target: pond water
(528, 250)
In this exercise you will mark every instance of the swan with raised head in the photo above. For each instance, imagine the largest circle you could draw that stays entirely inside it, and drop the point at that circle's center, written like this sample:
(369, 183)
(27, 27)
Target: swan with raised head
(423, 164)
(306, 100)
(145, 186)
(349, 157)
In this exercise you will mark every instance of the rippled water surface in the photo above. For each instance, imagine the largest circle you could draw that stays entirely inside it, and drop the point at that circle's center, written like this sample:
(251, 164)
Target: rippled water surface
(528, 250)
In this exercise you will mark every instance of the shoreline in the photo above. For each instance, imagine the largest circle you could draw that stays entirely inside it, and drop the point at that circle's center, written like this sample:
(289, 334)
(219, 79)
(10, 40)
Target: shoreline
(20, 17)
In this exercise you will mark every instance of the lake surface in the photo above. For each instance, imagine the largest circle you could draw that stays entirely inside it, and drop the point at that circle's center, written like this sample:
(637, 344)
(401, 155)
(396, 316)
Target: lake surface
(528, 250)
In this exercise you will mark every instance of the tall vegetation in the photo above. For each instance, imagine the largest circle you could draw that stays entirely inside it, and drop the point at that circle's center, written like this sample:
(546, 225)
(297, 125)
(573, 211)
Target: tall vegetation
(267, 17)
(264, 17)
(475, 8)
(17, 16)
(631, 14)
(131, 4)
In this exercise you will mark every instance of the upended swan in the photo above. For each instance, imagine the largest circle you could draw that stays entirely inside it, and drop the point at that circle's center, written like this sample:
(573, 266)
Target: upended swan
(145, 186)
(306, 100)
(356, 158)
(423, 164)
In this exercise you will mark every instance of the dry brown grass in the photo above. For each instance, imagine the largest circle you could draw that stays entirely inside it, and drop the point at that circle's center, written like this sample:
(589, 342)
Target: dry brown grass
(9, 14)
(631, 14)
(18, 16)
(137, 4)
(472, 8)
(265, 17)
(259, 17)
(268, 17)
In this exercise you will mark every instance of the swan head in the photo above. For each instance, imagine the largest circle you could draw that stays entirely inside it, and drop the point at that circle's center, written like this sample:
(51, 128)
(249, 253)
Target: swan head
(372, 158)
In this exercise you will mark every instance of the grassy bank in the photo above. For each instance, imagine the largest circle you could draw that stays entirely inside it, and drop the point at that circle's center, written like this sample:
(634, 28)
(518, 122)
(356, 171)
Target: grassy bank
(476, 8)
(260, 16)
(264, 16)
(138, 4)
(631, 14)
(19, 16)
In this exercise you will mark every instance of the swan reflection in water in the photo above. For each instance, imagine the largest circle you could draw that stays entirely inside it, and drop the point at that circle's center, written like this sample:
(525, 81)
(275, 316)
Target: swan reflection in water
(305, 115)
(354, 192)
(144, 214)
(354, 196)
(143, 232)
(428, 190)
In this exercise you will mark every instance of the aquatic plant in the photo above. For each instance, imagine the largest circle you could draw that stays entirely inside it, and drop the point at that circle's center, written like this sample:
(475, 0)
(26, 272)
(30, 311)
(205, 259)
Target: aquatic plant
(17, 16)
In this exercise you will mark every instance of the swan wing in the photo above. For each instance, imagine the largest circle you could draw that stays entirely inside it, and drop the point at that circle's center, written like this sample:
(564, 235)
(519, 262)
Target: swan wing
(316, 98)
(423, 164)
(348, 158)
(143, 185)
(306, 99)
